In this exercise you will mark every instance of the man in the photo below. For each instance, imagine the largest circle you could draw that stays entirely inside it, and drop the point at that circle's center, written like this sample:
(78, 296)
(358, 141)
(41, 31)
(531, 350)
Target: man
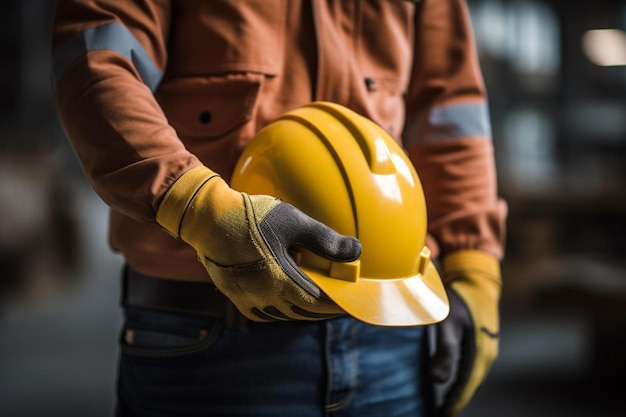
(160, 97)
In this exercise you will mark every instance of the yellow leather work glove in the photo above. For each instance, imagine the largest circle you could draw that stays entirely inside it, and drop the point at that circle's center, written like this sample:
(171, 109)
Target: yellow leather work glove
(468, 339)
(243, 241)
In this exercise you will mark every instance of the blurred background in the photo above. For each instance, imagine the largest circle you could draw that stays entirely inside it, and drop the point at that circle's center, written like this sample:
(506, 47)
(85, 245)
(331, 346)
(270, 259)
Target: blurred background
(556, 74)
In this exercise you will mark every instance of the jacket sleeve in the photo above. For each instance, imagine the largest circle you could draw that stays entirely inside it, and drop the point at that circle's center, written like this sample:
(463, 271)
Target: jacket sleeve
(448, 133)
(107, 60)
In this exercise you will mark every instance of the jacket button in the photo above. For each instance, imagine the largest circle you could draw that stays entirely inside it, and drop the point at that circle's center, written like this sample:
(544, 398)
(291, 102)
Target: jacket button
(370, 84)
(205, 117)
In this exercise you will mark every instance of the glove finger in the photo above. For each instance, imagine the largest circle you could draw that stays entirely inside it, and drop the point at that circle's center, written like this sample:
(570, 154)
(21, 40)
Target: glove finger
(449, 336)
(313, 315)
(441, 363)
(467, 357)
(271, 313)
(453, 397)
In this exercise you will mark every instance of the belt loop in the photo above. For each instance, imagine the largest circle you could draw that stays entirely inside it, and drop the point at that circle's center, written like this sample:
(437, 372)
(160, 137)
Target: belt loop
(235, 321)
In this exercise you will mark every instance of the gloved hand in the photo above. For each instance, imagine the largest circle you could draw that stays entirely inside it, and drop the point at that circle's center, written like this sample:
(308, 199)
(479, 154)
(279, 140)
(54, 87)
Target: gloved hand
(243, 242)
(468, 339)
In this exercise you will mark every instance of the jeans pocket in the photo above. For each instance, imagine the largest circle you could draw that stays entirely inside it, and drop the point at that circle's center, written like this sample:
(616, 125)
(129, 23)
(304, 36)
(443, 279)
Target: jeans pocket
(162, 334)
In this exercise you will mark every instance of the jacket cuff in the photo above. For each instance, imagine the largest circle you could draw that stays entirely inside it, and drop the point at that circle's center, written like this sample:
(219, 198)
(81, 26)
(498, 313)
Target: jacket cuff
(463, 262)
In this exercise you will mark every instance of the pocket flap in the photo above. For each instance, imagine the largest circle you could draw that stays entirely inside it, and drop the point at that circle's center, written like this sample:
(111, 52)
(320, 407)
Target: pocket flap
(209, 107)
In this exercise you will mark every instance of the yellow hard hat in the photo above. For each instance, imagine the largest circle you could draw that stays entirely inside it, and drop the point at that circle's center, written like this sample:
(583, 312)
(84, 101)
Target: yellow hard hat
(345, 171)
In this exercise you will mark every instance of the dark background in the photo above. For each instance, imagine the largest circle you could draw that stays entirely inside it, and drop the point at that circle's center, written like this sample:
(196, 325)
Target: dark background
(559, 123)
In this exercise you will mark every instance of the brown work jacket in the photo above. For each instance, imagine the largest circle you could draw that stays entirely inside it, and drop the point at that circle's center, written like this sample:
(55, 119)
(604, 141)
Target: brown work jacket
(148, 89)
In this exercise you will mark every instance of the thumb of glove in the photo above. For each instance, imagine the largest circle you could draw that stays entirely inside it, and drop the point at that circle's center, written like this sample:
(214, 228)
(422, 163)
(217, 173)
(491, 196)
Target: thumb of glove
(286, 227)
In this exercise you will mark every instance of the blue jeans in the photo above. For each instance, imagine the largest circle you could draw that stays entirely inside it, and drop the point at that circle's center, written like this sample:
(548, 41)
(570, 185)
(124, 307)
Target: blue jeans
(183, 365)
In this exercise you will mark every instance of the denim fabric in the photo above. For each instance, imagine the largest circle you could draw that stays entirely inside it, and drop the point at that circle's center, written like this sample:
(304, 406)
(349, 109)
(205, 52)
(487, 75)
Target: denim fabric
(176, 365)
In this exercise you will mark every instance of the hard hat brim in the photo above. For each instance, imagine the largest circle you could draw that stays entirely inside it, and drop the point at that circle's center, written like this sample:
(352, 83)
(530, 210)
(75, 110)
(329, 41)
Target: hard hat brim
(413, 301)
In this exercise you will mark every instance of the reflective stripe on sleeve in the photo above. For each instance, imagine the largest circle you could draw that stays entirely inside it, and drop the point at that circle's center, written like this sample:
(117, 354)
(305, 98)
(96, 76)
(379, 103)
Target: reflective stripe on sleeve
(114, 37)
(450, 122)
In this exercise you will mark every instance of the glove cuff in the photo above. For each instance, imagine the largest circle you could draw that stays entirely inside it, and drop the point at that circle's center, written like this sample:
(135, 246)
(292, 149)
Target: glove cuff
(179, 196)
(463, 261)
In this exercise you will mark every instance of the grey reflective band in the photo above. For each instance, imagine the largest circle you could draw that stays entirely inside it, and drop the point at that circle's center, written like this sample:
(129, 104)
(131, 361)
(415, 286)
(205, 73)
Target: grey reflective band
(113, 37)
(451, 122)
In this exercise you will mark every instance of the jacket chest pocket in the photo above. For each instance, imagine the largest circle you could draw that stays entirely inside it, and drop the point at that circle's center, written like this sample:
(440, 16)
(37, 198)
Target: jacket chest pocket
(219, 36)
(209, 107)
